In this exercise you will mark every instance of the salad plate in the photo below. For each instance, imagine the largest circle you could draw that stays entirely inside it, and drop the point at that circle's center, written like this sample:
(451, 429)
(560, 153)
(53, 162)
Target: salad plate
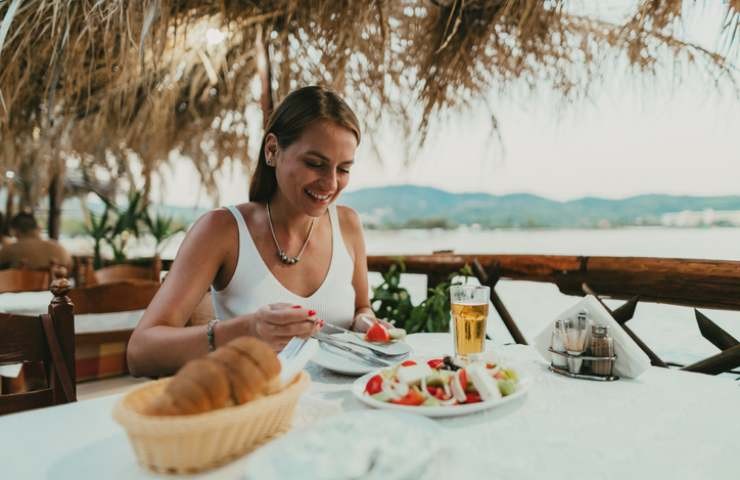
(511, 389)
(337, 361)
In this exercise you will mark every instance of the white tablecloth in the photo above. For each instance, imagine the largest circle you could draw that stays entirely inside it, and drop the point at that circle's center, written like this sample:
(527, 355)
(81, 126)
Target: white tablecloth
(665, 424)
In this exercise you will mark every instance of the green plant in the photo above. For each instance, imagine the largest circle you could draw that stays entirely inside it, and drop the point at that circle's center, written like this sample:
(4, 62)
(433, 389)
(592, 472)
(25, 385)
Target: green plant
(126, 224)
(98, 227)
(162, 227)
(392, 302)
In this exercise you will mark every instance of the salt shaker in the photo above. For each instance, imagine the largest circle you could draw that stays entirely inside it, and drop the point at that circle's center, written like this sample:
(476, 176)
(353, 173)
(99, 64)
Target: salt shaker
(602, 345)
(557, 343)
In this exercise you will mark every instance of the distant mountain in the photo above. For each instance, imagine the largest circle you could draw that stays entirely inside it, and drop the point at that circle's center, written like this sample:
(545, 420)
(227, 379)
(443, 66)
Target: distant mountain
(415, 206)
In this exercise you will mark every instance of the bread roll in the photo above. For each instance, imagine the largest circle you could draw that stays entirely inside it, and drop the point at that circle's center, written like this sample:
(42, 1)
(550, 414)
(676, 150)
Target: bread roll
(238, 372)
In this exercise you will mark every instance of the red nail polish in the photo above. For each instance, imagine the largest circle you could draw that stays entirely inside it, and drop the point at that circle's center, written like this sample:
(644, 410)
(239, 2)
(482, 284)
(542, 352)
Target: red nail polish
(296, 306)
(311, 313)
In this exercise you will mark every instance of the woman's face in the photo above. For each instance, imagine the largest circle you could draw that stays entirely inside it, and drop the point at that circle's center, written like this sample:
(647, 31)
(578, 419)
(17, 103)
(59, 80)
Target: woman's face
(313, 170)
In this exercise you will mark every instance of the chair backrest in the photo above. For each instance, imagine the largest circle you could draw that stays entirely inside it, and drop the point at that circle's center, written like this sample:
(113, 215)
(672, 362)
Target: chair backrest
(114, 297)
(47, 338)
(122, 272)
(102, 354)
(23, 280)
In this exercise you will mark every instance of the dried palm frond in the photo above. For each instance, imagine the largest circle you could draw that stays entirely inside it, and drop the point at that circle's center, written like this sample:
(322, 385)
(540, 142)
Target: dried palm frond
(104, 82)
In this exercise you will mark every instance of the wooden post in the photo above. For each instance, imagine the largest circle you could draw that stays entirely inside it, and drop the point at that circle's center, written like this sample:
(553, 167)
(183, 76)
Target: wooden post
(626, 311)
(55, 205)
(265, 74)
(61, 311)
(498, 304)
(655, 360)
(714, 333)
(722, 362)
(8, 209)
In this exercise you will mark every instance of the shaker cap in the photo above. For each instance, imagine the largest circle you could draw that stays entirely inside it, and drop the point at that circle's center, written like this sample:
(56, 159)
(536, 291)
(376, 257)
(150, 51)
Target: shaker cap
(599, 330)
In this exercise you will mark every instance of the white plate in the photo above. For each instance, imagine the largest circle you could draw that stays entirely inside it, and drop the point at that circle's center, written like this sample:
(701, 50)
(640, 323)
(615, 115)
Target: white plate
(358, 389)
(343, 363)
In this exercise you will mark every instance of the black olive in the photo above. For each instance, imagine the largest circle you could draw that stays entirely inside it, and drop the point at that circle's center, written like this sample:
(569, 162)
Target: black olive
(449, 364)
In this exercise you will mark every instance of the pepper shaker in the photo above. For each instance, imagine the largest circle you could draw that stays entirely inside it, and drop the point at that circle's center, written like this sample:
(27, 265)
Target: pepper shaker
(602, 345)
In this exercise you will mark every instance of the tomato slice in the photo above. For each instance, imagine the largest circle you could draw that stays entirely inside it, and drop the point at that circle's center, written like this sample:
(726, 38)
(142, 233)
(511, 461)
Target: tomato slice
(435, 363)
(472, 397)
(374, 385)
(463, 376)
(378, 333)
(412, 398)
(408, 363)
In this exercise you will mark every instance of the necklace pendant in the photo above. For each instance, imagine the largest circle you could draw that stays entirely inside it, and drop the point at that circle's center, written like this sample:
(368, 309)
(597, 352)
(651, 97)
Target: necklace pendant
(286, 259)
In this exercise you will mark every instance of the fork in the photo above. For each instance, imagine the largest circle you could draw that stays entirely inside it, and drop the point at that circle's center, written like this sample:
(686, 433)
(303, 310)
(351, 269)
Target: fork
(366, 357)
(375, 351)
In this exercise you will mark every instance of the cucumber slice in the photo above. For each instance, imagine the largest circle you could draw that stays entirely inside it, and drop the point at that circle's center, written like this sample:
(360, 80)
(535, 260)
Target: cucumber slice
(506, 387)
(431, 402)
(381, 396)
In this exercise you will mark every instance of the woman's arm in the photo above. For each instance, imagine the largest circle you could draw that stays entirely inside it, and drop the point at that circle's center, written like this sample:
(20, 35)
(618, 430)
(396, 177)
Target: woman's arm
(160, 344)
(354, 237)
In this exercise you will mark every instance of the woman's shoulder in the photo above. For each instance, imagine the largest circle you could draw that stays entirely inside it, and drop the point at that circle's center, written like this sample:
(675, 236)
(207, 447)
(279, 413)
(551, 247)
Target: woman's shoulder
(349, 217)
(223, 218)
(351, 226)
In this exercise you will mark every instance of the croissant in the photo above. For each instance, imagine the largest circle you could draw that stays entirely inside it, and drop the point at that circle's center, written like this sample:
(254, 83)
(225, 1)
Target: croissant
(238, 372)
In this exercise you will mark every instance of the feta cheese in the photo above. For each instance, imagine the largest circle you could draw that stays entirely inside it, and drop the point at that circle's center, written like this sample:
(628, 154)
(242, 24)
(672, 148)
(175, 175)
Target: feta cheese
(458, 391)
(413, 373)
(483, 382)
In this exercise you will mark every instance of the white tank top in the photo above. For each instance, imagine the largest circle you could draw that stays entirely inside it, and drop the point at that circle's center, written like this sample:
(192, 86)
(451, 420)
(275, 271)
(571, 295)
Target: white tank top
(253, 285)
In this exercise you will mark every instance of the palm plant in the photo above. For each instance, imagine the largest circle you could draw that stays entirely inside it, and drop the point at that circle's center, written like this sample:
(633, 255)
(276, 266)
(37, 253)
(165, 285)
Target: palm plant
(162, 228)
(99, 228)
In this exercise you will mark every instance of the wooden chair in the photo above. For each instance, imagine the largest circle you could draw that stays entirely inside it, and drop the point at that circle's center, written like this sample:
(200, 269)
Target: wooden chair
(14, 280)
(121, 296)
(124, 271)
(103, 354)
(47, 338)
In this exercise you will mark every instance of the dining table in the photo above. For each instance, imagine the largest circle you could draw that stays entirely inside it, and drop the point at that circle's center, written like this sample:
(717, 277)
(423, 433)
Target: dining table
(664, 424)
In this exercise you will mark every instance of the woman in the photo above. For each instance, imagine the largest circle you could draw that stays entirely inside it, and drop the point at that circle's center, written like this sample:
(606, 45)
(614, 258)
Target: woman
(278, 266)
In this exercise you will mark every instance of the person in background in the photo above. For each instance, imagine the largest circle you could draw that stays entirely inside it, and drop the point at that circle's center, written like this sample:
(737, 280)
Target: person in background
(30, 250)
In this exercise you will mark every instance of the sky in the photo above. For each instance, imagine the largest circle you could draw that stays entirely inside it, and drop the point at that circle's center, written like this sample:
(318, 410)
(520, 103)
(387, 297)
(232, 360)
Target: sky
(633, 135)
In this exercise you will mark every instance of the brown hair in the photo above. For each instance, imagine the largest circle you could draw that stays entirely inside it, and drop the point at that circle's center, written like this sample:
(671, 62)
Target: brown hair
(296, 112)
(24, 222)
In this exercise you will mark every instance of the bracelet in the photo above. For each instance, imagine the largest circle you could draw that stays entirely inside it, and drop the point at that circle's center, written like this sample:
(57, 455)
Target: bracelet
(211, 334)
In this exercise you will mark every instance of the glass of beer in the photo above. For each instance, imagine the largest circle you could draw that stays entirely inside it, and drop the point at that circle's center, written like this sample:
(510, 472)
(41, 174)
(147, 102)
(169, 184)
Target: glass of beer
(469, 305)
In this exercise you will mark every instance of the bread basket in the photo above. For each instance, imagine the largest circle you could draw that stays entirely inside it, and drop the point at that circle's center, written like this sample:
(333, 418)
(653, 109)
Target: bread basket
(190, 443)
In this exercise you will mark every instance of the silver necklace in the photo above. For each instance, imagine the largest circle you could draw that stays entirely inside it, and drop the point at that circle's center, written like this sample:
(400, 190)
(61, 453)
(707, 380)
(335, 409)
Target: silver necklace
(284, 257)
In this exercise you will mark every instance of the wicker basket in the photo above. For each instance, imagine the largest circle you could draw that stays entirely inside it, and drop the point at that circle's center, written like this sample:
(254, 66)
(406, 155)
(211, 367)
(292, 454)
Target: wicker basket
(190, 443)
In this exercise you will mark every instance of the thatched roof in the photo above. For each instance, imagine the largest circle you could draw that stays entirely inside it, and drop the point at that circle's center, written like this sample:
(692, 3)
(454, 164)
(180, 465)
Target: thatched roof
(100, 81)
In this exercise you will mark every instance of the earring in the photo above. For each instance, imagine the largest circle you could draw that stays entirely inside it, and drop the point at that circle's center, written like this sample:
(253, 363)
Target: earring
(269, 162)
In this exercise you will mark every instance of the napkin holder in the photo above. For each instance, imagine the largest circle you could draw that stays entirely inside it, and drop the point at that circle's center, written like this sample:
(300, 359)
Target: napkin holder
(630, 360)
(584, 372)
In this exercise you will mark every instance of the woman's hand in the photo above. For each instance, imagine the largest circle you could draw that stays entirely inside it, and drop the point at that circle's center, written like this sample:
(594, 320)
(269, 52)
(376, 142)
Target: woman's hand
(277, 323)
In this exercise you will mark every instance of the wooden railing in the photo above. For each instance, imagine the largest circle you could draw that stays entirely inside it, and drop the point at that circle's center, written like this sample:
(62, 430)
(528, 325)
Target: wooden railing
(688, 282)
